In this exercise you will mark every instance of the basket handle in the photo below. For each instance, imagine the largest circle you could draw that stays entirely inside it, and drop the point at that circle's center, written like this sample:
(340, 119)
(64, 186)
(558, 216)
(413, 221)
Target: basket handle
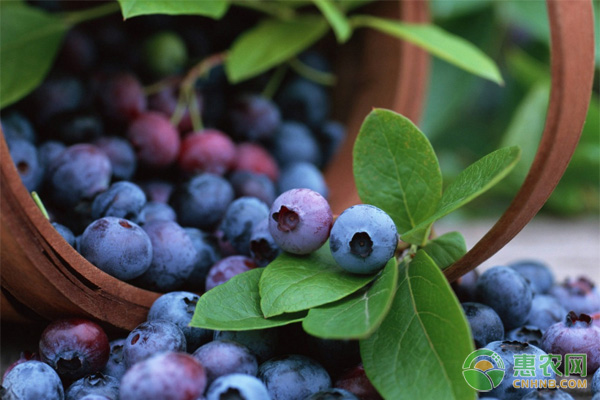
(572, 63)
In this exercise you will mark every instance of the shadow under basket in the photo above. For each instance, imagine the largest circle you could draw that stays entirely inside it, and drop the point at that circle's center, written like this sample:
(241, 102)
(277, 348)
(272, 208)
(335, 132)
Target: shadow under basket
(43, 278)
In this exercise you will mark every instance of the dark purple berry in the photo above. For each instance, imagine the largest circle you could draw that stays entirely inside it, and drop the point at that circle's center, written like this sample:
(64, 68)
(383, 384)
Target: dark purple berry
(254, 118)
(208, 150)
(76, 126)
(250, 184)
(121, 97)
(254, 158)
(355, 381)
(155, 139)
(226, 269)
(121, 155)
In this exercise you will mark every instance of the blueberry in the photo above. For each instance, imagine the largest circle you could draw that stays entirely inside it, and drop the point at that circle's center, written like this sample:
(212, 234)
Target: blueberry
(464, 287)
(74, 347)
(250, 184)
(547, 394)
(302, 175)
(168, 375)
(208, 150)
(208, 253)
(94, 397)
(154, 210)
(178, 308)
(23, 357)
(16, 126)
(574, 335)
(596, 382)
(54, 96)
(164, 53)
(157, 190)
(25, 158)
(334, 355)
(122, 200)
(485, 324)
(538, 274)
(48, 152)
(355, 381)
(507, 292)
(545, 311)
(226, 269)
(224, 357)
(78, 53)
(507, 350)
(121, 155)
(202, 201)
(65, 233)
(155, 140)
(261, 342)
(363, 239)
(115, 366)
(79, 173)
(253, 117)
(75, 126)
(32, 380)
(152, 337)
(173, 256)
(121, 97)
(255, 158)
(304, 101)
(331, 135)
(166, 102)
(579, 295)
(118, 247)
(293, 377)
(333, 394)
(241, 217)
(237, 387)
(527, 334)
(263, 248)
(300, 221)
(97, 383)
(294, 142)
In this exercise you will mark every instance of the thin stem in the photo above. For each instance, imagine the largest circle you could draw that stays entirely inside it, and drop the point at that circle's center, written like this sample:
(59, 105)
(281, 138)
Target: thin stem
(179, 108)
(38, 202)
(77, 17)
(308, 72)
(274, 82)
(195, 113)
(157, 87)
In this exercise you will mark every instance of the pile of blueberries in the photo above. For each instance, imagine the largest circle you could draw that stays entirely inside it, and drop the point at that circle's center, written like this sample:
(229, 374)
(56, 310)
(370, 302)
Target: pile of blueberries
(519, 310)
(161, 205)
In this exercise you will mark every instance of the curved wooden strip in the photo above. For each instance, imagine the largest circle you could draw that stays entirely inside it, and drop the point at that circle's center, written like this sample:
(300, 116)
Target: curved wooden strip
(572, 55)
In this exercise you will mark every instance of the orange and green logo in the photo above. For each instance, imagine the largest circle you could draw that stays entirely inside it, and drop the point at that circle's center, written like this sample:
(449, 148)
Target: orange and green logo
(483, 370)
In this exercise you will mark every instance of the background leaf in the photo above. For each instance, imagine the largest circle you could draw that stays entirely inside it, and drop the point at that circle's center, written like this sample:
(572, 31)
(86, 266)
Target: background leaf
(446, 249)
(29, 42)
(235, 306)
(395, 169)
(470, 183)
(358, 315)
(336, 18)
(438, 42)
(213, 8)
(408, 357)
(293, 283)
(271, 43)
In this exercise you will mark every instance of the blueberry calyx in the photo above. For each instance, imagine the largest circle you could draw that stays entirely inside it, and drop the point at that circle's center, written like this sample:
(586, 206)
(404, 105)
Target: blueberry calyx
(190, 305)
(361, 244)
(572, 319)
(231, 394)
(67, 365)
(287, 219)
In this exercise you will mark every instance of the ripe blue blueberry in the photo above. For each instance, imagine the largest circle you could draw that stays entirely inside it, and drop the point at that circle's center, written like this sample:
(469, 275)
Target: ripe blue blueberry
(16, 126)
(152, 337)
(334, 355)
(507, 292)
(117, 246)
(238, 387)
(263, 248)
(48, 152)
(97, 383)
(32, 380)
(547, 394)
(121, 155)
(179, 307)
(545, 311)
(25, 158)
(294, 142)
(65, 232)
(300, 221)
(596, 382)
(363, 239)
(156, 210)
(241, 217)
(254, 118)
(305, 101)
(527, 334)
(122, 200)
(224, 357)
(538, 274)
(486, 325)
(464, 287)
(261, 342)
(331, 135)
(302, 175)
(333, 394)
(578, 295)
(75, 126)
(208, 253)
(251, 184)
(115, 366)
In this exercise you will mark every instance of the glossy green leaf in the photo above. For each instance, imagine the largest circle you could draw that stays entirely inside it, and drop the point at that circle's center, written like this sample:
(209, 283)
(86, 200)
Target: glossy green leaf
(294, 283)
(235, 306)
(271, 43)
(419, 349)
(358, 315)
(446, 249)
(336, 18)
(396, 169)
(470, 183)
(29, 41)
(438, 42)
(213, 8)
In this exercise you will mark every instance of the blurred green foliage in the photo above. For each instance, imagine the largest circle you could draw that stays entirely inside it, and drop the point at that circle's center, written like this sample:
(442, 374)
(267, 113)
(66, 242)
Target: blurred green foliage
(466, 116)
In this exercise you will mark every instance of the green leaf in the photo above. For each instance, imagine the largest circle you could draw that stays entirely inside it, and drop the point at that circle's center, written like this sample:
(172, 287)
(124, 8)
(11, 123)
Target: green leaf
(271, 43)
(294, 283)
(438, 42)
(470, 183)
(410, 355)
(214, 8)
(235, 306)
(29, 42)
(336, 18)
(358, 315)
(395, 169)
(446, 249)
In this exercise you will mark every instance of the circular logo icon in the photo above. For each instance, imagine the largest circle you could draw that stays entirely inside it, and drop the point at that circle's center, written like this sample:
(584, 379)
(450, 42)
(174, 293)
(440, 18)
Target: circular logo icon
(483, 370)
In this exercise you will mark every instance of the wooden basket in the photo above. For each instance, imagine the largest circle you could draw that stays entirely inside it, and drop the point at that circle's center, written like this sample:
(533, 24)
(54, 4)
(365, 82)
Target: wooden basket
(44, 278)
